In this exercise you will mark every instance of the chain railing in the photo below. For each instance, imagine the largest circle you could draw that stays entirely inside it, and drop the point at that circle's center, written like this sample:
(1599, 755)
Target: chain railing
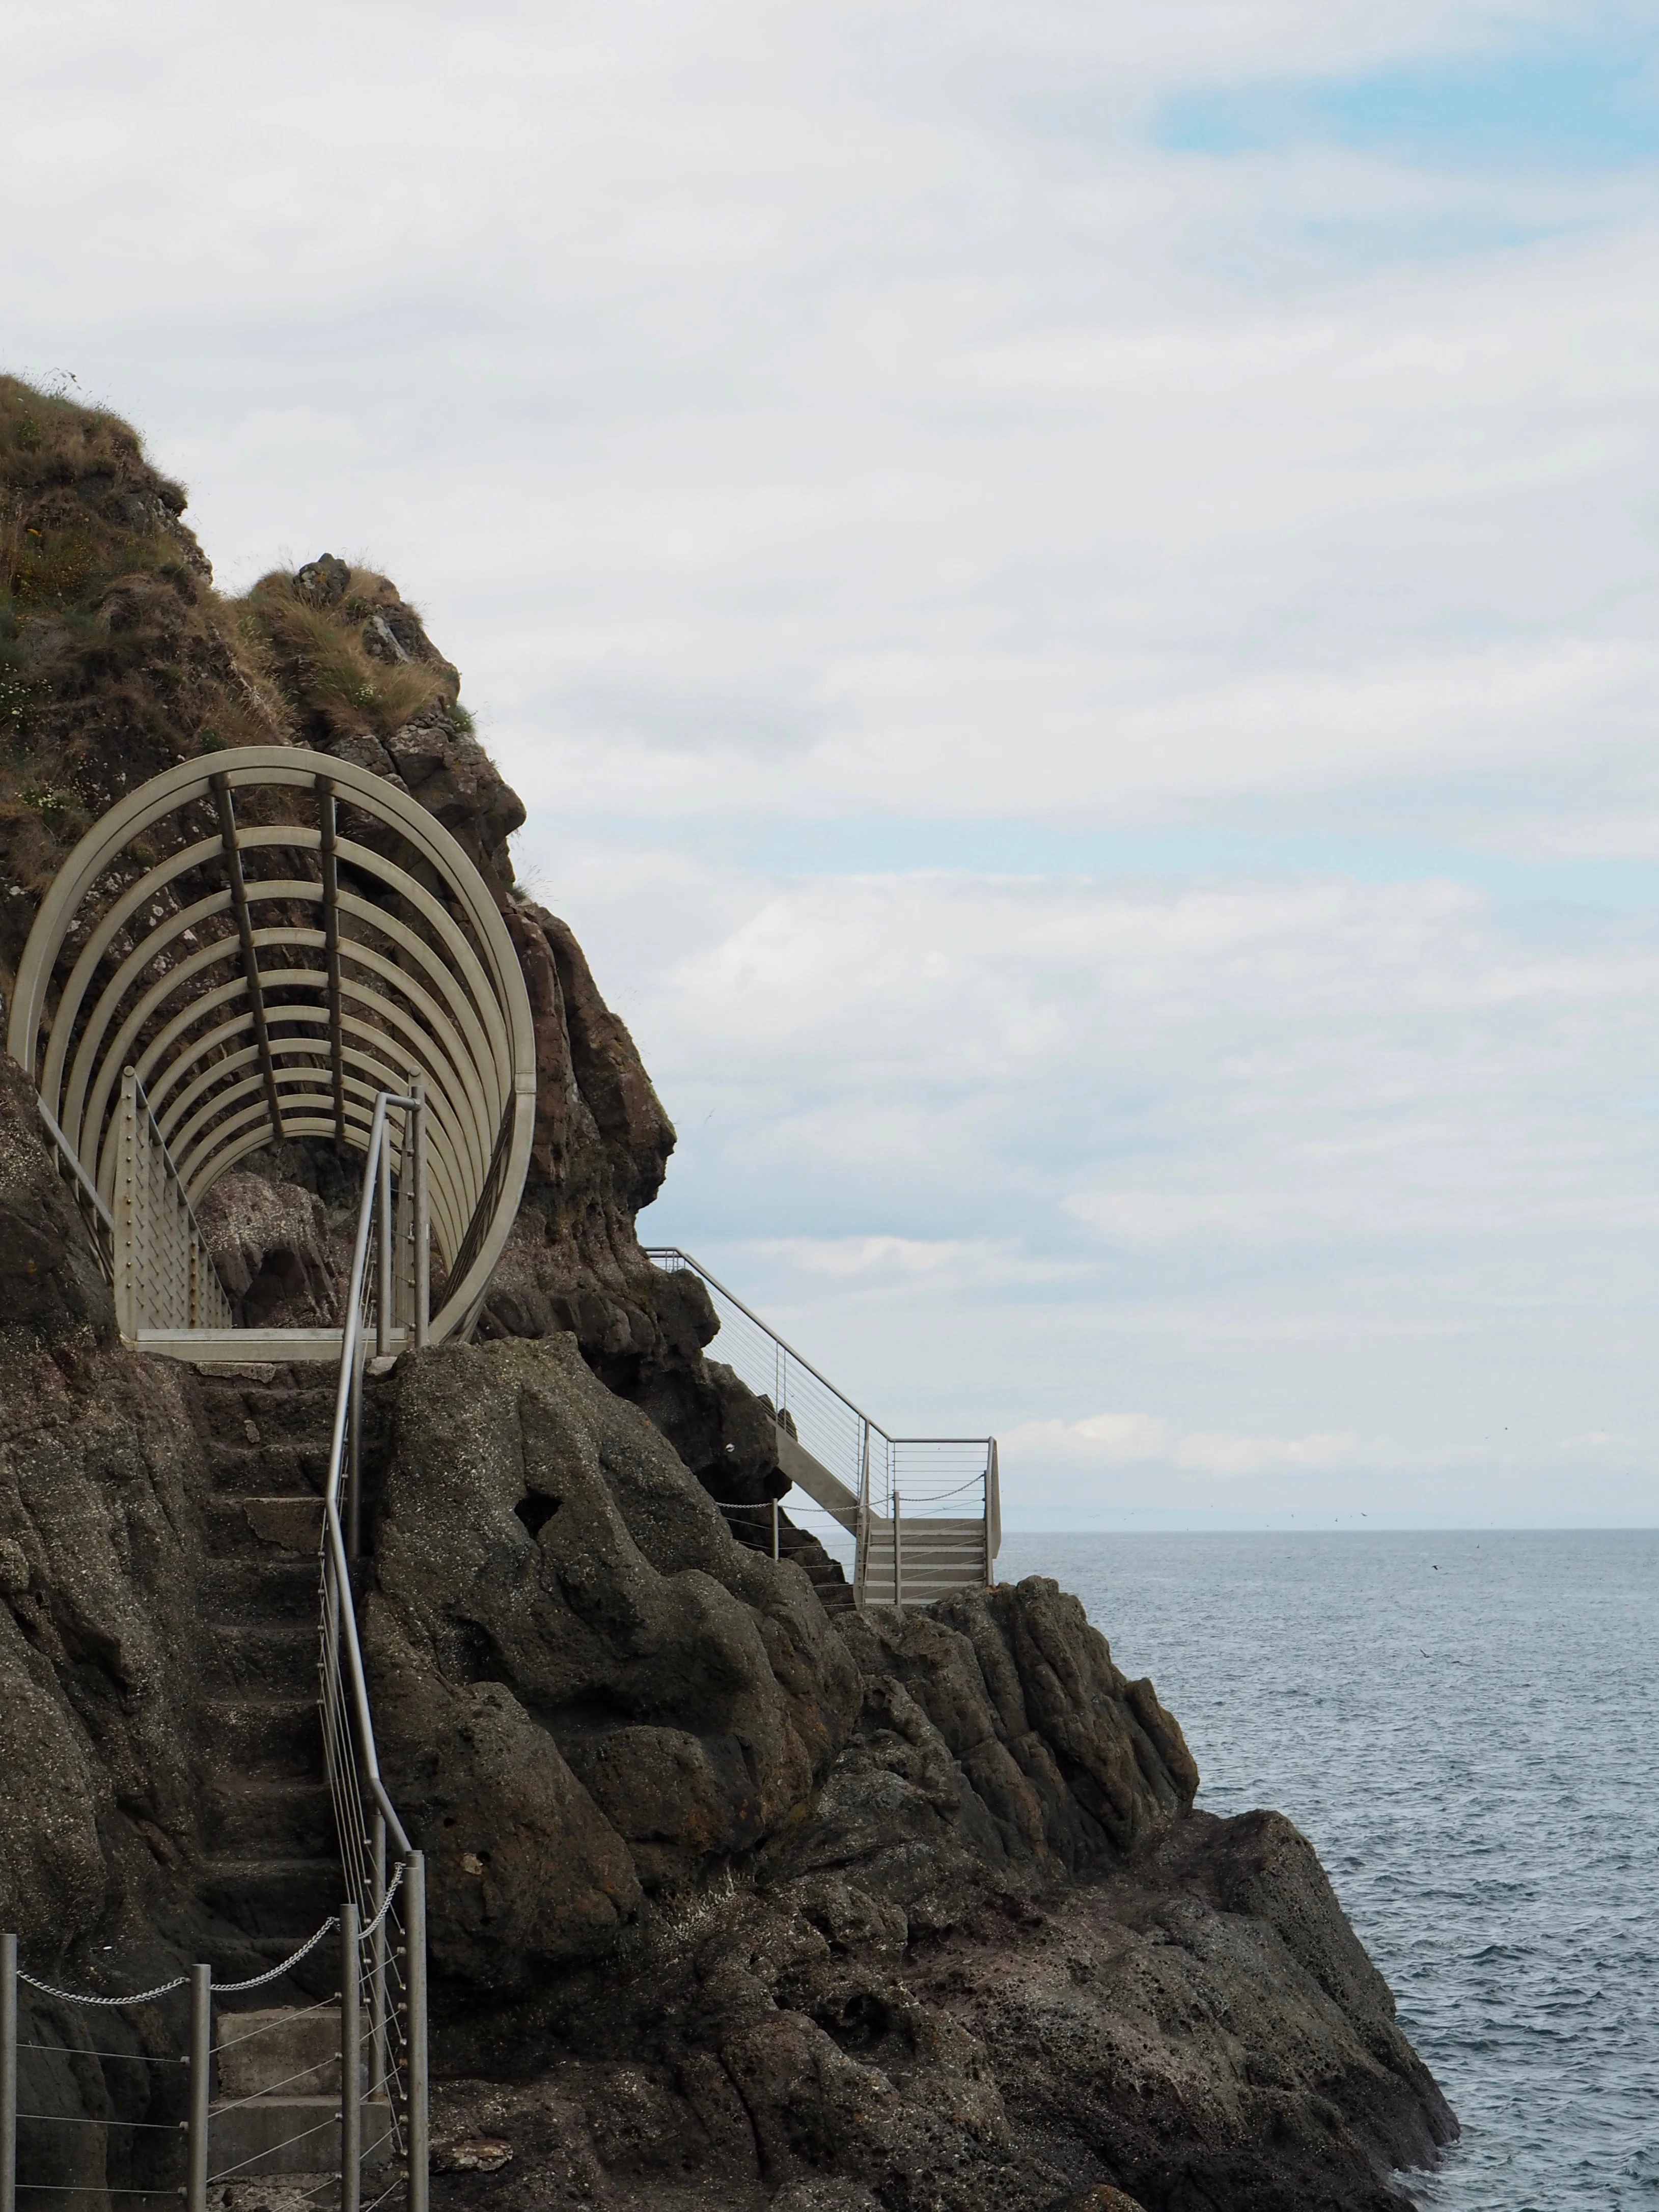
(276, 2127)
(921, 1516)
(375, 2127)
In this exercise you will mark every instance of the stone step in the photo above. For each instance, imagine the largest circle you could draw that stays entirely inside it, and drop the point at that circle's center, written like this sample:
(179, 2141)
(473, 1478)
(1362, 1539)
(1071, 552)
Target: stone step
(286, 1897)
(271, 1469)
(279, 2051)
(282, 1819)
(263, 1584)
(268, 1414)
(257, 1655)
(264, 1737)
(239, 1524)
(272, 2135)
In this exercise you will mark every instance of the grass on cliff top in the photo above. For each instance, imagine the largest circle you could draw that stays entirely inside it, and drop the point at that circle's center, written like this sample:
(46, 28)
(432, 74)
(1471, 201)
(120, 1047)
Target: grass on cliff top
(326, 669)
(117, 656)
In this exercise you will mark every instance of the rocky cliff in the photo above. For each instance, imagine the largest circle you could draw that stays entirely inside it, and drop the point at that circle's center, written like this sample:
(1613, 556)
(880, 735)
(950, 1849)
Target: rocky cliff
(734, 1902)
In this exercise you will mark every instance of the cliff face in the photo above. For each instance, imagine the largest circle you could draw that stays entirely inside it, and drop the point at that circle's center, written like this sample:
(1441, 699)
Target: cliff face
(731, 1902)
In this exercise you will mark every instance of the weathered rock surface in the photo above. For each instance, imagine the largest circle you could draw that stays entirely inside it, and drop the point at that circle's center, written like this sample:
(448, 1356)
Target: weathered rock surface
(733, 1902)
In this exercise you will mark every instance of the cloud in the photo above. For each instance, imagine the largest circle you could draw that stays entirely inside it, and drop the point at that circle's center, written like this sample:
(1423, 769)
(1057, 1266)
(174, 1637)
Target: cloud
(1148, 1443)
(853, 428)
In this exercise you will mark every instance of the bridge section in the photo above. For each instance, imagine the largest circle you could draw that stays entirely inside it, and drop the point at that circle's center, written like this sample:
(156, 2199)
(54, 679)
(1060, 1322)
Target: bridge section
(913, 1517)
(252, 947)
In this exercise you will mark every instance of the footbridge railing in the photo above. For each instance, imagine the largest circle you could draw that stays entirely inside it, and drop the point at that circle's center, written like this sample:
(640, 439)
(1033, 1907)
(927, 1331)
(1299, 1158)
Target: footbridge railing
(369, 1831)
(919, 1516)
(247, 952)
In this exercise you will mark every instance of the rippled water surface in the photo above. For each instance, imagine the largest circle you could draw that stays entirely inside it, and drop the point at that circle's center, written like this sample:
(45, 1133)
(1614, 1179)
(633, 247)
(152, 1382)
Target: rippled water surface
(1464, 1726)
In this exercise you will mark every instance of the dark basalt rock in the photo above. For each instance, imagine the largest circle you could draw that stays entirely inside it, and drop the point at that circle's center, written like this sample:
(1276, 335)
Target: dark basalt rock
(52, 1289)
(734, 1903)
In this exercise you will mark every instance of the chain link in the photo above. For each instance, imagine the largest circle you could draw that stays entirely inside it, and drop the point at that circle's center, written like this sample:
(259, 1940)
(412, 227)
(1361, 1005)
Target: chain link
(386, 1904)
(220, 1989)
(258, 1982)
(71, 1996)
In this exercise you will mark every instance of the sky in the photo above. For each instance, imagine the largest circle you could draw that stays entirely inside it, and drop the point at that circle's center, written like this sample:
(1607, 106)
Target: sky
(1072, 591)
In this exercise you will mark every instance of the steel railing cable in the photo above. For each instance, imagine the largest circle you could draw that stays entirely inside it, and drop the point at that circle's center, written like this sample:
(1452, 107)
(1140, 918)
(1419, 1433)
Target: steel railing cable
(303, 2012)
(382, 1921)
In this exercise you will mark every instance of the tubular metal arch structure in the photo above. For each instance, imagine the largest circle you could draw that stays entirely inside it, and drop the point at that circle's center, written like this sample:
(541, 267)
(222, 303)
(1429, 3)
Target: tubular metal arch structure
(259, 942)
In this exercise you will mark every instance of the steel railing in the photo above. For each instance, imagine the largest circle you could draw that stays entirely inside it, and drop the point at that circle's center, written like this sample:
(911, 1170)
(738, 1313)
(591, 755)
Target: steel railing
(921, 1515)
(163, 1273)
(393, 2038)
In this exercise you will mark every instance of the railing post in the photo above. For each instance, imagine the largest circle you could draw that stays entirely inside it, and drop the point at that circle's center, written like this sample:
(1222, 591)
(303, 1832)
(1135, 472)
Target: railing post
(775, 1527)
(126, 1209)
(7, 2074)
(422, 1220)
(201, 2084)
(353, 1531)
(383, 1245)
(993, 1513)
(351, 2092)
(898, 1554)
(418, 2136)
(403, 1235)
(377, 1962)
(861, 1538)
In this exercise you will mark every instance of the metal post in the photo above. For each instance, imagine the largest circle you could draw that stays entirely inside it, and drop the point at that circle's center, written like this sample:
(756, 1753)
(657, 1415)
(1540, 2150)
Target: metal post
(126, 1210)
(383, 1285)
(419, 2135)
(351, 2088)
(378, 2085)
(775, 1527)
(422, 1220)
(403, 1234)
(354, 1498)
(7, 2074)
(861, 1540)
(898, 1577)
(201, 2084)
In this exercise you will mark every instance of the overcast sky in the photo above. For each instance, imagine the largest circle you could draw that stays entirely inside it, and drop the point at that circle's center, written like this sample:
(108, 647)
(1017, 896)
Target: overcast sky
(1071, 589)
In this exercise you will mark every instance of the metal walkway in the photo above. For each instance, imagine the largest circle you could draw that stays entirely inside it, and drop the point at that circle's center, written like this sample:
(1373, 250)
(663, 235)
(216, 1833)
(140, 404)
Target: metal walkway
(252, 947)
(923, 1514)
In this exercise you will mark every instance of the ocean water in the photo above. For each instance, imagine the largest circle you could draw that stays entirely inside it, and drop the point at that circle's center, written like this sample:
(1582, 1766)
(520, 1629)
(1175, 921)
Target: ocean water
(1464, 1726)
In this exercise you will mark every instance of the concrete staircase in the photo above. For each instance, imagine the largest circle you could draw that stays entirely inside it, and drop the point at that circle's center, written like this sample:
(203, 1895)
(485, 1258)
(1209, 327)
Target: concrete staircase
(753, 1529)
(936, 1556)
(273, 1871)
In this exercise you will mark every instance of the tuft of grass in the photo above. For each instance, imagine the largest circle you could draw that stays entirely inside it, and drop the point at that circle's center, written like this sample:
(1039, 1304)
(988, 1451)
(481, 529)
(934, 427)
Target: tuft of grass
(320, 651)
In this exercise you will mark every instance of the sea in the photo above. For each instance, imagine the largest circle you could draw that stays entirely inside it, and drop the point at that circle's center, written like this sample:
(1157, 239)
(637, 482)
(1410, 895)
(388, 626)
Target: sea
(1463, 1725)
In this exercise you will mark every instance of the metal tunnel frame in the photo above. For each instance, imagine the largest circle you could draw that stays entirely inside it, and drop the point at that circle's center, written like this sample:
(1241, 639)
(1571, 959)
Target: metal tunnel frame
(271, 1006)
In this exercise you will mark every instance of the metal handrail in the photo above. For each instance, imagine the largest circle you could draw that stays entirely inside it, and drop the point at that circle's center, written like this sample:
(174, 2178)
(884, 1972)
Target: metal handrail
(853, 1503)
(348, 1389)
(351, 1756)
(93, 1195)
(130, 1252)
(672, 1252)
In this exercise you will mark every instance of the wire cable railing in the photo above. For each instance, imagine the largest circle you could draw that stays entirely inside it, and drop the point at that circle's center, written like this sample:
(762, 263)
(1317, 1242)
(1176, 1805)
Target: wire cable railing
(162, 1270)
(358, 2124)
(374, 2122)
(384, 2043)
(921, 1515)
